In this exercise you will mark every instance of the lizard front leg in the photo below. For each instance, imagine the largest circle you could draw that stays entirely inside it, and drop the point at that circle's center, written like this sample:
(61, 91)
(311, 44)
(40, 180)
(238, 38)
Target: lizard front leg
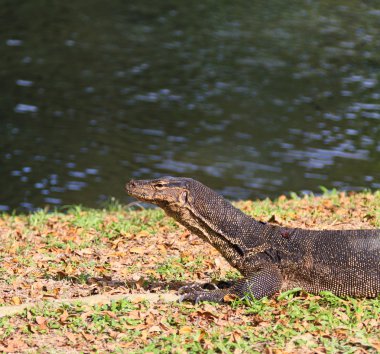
(259, 283)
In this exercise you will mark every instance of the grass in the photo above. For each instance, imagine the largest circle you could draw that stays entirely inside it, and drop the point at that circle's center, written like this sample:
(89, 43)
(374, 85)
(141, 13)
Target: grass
(82, 251)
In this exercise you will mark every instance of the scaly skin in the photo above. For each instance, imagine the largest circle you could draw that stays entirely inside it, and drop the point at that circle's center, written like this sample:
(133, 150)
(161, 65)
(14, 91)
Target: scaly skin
(270, 258)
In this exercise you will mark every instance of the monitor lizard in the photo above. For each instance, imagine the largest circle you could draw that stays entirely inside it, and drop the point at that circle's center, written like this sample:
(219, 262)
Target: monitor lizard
(271, 258)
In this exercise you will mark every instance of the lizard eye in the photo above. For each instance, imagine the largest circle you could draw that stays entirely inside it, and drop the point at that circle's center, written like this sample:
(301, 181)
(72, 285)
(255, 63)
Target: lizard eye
(159, 185)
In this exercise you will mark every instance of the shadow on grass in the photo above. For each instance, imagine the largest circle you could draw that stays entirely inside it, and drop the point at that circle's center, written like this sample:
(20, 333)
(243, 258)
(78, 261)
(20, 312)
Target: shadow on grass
(100, 284)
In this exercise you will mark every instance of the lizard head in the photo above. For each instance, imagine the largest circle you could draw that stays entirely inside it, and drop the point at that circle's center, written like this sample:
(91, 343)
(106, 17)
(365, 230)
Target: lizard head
(198, 208)
(166, 192)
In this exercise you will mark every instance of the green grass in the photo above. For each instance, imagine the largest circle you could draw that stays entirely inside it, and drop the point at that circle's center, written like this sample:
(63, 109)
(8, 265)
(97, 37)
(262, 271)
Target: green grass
(290, 322)
(57, 252)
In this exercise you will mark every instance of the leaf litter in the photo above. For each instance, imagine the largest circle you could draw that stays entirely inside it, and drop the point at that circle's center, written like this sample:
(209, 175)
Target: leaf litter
(85, 252)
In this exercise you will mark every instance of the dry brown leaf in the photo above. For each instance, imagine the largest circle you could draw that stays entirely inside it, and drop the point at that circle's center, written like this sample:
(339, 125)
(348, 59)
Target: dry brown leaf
(154, 329)
(13, 346)
(137, 300)
(143, 233)
(71, 337)
(230, 298)
(40, 320)
(88, 337)
(84, 315)
(375, 344)
(16, 300)
(109, 313)
(138, 250)
(185, 330)
(235, 336)
(63, 318)
(162, 249)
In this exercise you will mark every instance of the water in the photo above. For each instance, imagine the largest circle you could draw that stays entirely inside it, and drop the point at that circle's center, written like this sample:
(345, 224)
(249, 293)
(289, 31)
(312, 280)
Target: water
(254, 99)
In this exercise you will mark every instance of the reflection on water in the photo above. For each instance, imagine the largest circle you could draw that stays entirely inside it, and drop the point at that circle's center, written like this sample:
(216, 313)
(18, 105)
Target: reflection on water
(255, 99)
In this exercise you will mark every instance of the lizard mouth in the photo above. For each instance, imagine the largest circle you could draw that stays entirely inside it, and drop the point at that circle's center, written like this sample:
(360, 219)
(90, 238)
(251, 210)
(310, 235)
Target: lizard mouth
(130, 186)
(136, 189)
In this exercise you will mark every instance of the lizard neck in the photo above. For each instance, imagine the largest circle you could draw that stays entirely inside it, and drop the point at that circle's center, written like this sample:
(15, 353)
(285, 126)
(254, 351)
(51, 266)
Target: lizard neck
(219, 223)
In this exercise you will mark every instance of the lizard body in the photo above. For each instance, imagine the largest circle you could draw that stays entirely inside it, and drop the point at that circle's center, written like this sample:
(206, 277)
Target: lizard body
(270, 258)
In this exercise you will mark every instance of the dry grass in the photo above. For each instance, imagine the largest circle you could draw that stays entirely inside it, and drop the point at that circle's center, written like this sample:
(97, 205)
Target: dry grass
(84, 252)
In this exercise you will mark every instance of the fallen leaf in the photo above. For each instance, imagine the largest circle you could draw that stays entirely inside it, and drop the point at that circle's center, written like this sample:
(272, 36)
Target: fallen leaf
(162, 249)
(16, 300)
(143, 233)
(235, 336)
(63, 318)
(375, 343)
(14, 345)
(42, 323)
(88, 337)
(230, 298)
(40, 320)
(71, 337)
(155, 329)
(109, 313)
(185, 330)
(138, 250)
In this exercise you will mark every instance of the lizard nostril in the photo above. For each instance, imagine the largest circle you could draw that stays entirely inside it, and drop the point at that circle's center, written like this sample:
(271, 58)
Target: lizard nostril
(130, 185)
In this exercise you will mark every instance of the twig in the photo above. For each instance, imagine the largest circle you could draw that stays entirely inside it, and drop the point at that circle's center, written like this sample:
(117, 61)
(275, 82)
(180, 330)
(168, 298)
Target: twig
(90, 300)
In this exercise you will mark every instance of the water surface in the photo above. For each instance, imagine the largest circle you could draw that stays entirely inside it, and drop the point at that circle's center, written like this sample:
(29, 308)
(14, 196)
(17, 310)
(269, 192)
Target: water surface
(254, 99)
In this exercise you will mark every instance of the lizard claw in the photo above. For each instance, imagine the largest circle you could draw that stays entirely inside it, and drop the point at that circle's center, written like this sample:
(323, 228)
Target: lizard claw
(182, 298)
(189, 288)
(190, 297)
(197, 296)
(194, 297)
(201, 287)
